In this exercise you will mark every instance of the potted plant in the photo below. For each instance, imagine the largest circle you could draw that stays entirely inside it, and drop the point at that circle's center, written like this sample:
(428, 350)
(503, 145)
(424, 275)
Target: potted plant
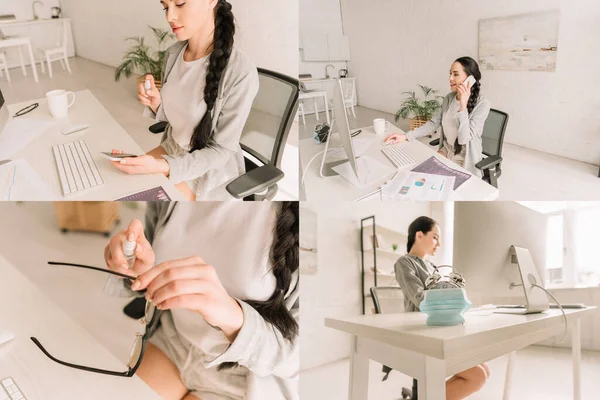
(141, 59)
(420, 111)
(395, 247)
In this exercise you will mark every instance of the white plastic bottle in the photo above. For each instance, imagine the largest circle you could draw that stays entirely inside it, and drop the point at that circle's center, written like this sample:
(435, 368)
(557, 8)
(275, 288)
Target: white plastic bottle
(128, 252)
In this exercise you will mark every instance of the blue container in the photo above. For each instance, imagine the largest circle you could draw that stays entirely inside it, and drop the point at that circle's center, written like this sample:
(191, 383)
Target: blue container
(445, 307)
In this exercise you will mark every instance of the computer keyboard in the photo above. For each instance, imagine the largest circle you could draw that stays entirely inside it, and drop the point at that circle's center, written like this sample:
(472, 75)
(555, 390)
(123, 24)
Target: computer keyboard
(10, 391)
(397, 156)
(76, 168)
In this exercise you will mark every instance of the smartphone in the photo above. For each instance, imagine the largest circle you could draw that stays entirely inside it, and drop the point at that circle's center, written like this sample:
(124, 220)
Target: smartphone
(470, 79)
(116, 157)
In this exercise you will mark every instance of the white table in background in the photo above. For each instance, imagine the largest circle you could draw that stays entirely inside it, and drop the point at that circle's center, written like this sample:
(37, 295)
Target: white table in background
(315, 94)
(18, 42)
(431, 353)
(338, 189)
(26, 312)
(104, 134)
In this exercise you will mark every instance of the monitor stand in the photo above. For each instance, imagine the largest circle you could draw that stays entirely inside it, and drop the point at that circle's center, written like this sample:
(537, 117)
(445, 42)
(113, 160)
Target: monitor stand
(535, 298)
(326, 169)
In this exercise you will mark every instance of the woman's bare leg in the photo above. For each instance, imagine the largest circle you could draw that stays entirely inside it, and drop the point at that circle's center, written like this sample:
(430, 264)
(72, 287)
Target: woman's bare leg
(183, 187)
(159, 372)
(466, 383)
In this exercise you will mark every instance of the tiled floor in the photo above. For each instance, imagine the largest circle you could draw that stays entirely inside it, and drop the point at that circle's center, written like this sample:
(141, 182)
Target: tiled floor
(120, 99)
(540, 373)
(526, 174)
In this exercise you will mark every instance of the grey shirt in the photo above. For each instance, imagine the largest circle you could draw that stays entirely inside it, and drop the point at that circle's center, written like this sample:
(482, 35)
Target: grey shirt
(411, 273)
(209, 170)
(470, 129)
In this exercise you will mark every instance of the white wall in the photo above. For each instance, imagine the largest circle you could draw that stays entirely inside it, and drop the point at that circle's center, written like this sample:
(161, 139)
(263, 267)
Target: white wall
(23, 11)
(398, 44)
(267, 29)
(480, 252)
(335, 291)
(320, 16)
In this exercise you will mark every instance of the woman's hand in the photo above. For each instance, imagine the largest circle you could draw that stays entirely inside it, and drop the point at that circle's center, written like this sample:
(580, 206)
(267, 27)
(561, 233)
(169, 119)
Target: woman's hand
(152, 97)
(145, 164)
(144, 255)
(192, 284)
(463, 94)
(395, 138)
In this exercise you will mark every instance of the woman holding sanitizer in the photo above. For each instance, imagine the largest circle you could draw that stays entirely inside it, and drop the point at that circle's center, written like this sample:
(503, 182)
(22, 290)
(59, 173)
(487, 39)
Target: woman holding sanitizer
(461, 118)
(208, 90)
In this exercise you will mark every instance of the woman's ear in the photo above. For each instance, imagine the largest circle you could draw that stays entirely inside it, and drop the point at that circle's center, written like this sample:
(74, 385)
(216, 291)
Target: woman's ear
(212, 4)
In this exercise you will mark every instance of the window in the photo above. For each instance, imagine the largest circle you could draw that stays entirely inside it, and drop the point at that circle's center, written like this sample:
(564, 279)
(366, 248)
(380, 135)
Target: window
(572, 246)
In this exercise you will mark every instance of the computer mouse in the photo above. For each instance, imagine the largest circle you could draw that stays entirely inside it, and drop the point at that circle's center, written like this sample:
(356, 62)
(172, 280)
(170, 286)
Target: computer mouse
(387, 142)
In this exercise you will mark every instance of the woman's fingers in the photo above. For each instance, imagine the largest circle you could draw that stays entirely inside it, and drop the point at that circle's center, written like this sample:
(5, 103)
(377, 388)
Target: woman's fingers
(187, 301)
(180, 288)
(176, 274)
(145, 279)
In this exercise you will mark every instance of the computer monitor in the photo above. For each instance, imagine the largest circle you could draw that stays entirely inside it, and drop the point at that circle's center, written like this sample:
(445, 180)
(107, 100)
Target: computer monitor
(343, 126)
(3, 112)
(487, 236)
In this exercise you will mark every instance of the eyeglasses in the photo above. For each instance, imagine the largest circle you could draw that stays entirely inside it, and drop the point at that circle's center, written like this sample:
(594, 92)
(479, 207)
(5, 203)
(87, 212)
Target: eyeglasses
(27, 109)
(150, 320)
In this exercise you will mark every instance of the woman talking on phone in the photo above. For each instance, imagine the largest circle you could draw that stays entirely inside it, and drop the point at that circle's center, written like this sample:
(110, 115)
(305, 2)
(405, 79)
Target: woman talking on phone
(461, 117)
(208, 90)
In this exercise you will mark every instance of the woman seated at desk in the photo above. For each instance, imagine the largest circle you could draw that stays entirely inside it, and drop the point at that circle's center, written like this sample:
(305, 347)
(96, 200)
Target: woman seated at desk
(208, 90)
(461, 117)
(412, 270)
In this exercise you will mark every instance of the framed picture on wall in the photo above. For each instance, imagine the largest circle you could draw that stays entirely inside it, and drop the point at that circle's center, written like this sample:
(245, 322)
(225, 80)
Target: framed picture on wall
(525, 42)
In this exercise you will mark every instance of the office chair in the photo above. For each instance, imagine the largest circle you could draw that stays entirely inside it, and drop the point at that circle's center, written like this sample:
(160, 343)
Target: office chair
(493, 140)
(389, 299)
(264, 136)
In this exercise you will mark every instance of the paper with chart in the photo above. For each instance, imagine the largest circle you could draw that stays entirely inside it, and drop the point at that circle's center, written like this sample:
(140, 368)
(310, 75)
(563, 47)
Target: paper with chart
(18, 133)
(434, 166)
(369, 171)
(418, 186)
(19, 181)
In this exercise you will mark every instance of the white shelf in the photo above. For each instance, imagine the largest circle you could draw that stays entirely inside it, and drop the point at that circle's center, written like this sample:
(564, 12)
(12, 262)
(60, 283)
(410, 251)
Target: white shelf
(380, 272)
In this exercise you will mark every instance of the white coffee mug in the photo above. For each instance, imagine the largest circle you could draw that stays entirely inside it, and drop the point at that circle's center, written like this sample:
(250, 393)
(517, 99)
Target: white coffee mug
(58, 103)
(380, 125)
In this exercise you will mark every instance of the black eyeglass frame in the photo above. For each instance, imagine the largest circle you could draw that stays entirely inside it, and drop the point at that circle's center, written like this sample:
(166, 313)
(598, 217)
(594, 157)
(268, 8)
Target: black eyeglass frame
(150, 329)
(26, 110)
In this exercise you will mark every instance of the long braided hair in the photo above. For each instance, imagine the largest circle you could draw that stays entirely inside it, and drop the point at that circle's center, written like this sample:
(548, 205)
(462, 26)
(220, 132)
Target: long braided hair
(219, 58)
(470, 67)
(285, 259)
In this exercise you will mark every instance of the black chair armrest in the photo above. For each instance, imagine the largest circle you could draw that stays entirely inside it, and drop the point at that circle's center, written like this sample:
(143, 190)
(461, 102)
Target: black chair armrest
(255, 181)
(435, 142)
(488, 162)
(159, 127)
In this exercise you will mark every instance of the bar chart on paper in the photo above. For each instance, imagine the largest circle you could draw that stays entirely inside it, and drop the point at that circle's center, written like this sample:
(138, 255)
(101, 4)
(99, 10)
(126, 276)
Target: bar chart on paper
(18, 181)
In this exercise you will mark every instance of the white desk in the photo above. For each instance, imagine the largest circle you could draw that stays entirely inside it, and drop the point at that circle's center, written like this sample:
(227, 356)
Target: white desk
(104, 134)
(26, 311)
(338, 189)
(431, 353)
(315, 94)
(18, 42)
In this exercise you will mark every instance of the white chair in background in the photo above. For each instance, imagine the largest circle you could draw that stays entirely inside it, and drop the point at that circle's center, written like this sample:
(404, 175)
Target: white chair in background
(58, 53)
(301, 111)
(4, 66)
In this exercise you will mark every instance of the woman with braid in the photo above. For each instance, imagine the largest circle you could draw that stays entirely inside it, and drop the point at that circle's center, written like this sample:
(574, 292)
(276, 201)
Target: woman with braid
(208, 90)
(461, 117)
(226, 276)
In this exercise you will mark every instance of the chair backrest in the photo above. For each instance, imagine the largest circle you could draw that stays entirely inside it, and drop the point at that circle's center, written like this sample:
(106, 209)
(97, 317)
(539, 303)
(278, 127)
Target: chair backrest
(349, 89)
(493, 132)
(271, 117)
(387, 299)
(62, 34)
